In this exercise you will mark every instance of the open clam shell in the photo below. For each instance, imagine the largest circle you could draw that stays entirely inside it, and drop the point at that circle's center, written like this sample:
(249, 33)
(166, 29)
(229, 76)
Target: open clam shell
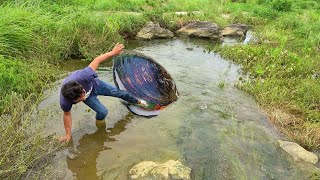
(146, 79)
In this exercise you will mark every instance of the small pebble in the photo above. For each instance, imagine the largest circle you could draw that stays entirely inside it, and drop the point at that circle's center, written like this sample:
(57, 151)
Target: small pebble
(203, 106)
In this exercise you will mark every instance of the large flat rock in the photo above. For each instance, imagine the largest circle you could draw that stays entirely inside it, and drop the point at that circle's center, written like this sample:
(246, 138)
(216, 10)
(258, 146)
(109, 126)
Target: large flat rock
(235, 30)
(167, 171)
(297, 152)
(200, 29)
(154, 31)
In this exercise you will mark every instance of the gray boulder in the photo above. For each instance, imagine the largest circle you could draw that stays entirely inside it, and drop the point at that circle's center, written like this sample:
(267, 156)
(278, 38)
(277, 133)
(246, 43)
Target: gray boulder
(237, 30)
(200, 29)
(154, 31)
(171, 170)
(297, 152)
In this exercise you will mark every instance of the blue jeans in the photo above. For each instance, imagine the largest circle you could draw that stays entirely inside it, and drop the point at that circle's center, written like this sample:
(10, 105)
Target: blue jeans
(106, 89)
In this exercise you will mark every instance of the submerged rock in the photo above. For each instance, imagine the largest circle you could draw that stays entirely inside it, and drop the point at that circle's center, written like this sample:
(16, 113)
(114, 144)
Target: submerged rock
(203, 106)
(201, 29)
(238, 30)
(154, 31)
(151, 170)
(298, 152)
(71, 153)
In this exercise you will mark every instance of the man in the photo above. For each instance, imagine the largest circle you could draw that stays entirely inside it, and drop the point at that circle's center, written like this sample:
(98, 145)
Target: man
(84, 86)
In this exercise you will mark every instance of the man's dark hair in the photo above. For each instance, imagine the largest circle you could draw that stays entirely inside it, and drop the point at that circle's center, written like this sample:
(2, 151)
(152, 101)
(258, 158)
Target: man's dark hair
(72, 90)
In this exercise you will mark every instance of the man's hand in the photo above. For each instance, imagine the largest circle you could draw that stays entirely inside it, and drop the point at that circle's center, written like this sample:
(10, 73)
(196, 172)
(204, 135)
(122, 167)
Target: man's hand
(67, 125)
(117, 49)
(65, 138)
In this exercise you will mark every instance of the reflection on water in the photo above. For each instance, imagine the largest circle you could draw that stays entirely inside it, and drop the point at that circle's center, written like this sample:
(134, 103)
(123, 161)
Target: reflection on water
(90, 145)
(215, 129)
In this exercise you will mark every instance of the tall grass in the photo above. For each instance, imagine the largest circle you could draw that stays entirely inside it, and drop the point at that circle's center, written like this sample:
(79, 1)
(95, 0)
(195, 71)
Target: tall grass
(22, 78)
(15, 32)
(284, 68)
(34, 36)
(58, 32)
(23, 152)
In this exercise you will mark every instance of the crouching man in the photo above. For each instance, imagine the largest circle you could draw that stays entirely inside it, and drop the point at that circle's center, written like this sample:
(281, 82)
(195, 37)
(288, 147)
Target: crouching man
(84, 86)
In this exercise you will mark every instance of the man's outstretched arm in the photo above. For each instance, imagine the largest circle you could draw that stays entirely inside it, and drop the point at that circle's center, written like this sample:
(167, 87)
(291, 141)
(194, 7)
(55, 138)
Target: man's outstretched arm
(67, 126)
(116, 50)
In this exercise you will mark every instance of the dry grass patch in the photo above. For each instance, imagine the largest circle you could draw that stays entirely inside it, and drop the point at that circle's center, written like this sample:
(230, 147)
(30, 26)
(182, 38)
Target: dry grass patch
(296, 129)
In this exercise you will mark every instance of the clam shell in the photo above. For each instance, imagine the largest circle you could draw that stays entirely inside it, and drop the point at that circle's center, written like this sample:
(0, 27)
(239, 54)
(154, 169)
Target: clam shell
(146, 79)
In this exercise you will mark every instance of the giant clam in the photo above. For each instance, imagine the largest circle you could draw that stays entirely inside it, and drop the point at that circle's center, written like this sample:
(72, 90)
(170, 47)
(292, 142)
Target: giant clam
(146, 79)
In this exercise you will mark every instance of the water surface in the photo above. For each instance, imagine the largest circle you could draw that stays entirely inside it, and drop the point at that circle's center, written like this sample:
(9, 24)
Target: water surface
(213, 128)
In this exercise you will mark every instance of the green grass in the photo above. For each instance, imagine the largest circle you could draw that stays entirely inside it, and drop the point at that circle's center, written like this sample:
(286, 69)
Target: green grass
(23, 78)
(284, 68)
(23, 152)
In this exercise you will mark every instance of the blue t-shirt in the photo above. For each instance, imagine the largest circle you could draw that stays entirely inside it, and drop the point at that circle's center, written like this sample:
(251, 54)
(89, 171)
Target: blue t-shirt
(87, 77)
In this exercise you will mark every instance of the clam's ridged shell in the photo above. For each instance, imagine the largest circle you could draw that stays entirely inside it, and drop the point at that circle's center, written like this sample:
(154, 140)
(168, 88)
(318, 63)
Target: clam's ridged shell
(144, 78)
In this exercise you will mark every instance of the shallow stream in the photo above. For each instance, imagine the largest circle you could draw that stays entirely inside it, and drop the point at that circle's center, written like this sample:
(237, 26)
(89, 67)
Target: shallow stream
(214, 128)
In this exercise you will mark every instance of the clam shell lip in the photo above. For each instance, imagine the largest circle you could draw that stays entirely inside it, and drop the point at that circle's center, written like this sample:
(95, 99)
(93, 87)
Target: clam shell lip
(144, 78)
(135, 109)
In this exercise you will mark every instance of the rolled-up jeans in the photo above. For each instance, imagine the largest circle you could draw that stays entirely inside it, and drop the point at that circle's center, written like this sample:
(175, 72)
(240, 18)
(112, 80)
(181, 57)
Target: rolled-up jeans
(106, 89)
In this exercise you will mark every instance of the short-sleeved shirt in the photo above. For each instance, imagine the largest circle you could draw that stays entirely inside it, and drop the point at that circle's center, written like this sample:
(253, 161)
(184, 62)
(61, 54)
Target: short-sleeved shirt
(87, 77)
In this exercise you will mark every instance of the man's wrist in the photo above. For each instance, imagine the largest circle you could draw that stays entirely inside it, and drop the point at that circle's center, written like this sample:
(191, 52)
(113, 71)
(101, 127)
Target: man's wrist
(111, 53)
(68, 134)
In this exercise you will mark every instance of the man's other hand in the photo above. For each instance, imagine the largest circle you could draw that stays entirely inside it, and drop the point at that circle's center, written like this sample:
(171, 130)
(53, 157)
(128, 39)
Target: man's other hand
(65, 138)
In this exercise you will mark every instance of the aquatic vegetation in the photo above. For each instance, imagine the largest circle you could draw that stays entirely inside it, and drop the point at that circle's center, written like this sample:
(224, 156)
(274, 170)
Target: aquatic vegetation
(221, 85)
(283, 80)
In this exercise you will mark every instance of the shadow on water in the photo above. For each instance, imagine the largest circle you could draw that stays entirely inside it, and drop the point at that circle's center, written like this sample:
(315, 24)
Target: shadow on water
(90, 145)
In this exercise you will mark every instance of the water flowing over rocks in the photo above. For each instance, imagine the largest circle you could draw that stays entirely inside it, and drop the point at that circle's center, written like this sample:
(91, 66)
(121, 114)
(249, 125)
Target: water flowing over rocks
(201, 29)
(154, 31)
(235, 30)
(151, 170)
(297, 152)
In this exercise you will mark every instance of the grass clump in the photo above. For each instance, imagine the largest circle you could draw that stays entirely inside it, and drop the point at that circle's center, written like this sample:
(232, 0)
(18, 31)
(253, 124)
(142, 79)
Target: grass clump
(282, 5)
(23, 152)
(23, 78)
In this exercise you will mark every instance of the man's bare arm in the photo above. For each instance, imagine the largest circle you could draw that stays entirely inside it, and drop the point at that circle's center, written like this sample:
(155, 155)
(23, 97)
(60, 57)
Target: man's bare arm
(96, 62)
(67, 120)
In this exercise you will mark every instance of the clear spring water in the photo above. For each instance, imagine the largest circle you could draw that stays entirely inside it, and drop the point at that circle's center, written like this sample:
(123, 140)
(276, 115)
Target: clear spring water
(213, 128)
